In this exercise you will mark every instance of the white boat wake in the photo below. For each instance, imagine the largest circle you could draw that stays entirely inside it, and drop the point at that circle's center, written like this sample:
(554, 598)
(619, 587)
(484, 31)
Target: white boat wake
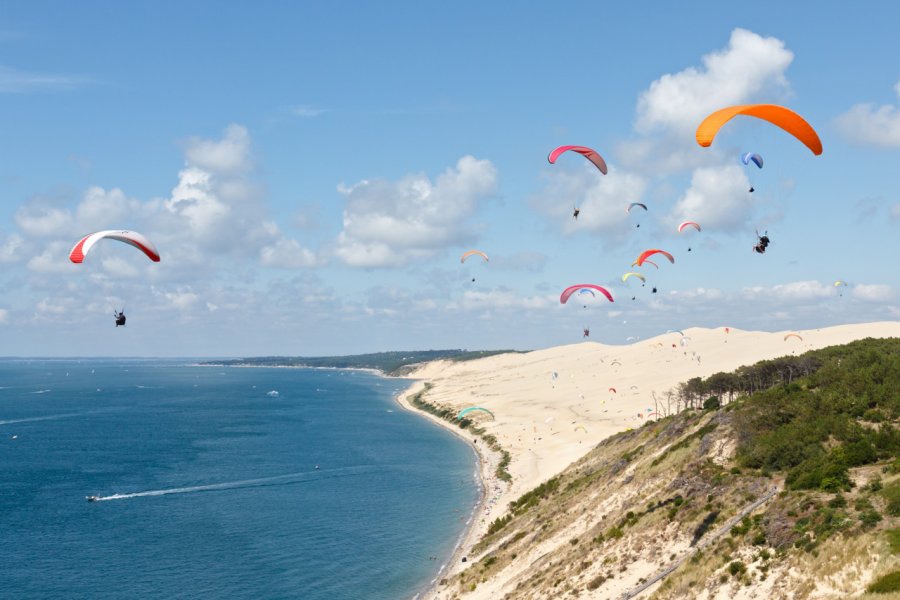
(290, 478)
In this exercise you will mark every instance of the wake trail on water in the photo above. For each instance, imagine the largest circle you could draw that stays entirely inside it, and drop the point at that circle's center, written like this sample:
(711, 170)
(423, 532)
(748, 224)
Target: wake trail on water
(287, 479)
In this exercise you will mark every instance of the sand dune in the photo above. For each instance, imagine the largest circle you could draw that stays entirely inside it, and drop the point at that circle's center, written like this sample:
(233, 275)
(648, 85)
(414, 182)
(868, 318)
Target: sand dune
(546, 422)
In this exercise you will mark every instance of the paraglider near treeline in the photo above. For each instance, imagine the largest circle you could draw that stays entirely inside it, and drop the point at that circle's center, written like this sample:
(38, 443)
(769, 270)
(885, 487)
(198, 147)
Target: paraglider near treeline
(120, 317)
(762, 242)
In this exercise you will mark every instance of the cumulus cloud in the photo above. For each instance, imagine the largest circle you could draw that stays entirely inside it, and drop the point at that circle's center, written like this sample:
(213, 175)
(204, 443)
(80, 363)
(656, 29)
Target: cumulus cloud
(795, 291)
(388, 223)
(872, 125)
(602, 199)
(873, 292)
(38, 220)
(503, 299)
(229, 154)
(10, 247)
(101, 209)
(748, 66)
(717, 198)
(287, 254)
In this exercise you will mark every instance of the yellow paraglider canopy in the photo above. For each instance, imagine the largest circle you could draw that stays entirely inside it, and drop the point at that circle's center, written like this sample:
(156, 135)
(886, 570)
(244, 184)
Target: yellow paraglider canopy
(777, 115)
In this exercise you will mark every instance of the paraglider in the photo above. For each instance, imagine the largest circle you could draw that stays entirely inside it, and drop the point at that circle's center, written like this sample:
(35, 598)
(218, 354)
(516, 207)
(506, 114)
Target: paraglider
(462, 259)
(632, 205)
(119, 316)
(586, 152)
(647, 253)
(466, 411)
(780, 116)
(576, 212)
(133, 238)
(687, 224)
(839, 284)
(564, 297)
(762, 242)
(753, 157)
(633, 274)
(613, 390)
(466, 255)
(581, 427)
(587, 332)
(646, 262)
(795, 335)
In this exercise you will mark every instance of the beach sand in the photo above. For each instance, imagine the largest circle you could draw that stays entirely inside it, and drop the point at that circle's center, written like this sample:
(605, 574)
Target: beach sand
(547, 421)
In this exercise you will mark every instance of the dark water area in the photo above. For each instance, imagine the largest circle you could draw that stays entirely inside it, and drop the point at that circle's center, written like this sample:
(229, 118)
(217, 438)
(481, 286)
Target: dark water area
(208, 486)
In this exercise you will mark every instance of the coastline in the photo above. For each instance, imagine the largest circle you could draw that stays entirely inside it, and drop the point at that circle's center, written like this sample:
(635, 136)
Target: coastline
(478, 522)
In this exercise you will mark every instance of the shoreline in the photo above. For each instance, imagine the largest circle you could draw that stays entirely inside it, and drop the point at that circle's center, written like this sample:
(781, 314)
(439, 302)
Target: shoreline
(478, 523)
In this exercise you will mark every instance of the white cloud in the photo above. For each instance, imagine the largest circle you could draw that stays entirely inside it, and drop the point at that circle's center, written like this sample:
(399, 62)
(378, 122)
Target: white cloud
(390, 223)
(307, 112)
(718, 199)
(870, 125)
(794, 291)
(601, 199)
(503, 299)
(119, 267)
(287, 254)
(9, 249)
(181, 299)
(101, 209)
(16, 81)
(36, 220)
(229, 154)
(747, 67)
(53, 260)
(873, 292)
(4, 316)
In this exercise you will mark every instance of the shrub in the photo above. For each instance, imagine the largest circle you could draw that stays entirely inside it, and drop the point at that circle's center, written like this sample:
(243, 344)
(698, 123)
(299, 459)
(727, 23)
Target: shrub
(885, 584)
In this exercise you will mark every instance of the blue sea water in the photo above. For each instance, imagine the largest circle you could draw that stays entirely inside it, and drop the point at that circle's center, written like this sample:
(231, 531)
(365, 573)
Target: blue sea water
(209, 487)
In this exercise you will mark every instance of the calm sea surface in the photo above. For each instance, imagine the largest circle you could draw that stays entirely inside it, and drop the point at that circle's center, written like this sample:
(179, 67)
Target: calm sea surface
(208, 484)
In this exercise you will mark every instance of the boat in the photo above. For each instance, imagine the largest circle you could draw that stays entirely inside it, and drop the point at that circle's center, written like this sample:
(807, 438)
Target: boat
(92, 498)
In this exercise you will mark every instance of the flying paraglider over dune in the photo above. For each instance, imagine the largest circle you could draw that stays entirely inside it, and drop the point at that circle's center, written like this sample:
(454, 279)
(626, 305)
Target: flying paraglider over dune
(586, 152)
(564, 297)
(648, 253)
(633, 274)
(466, 411)
(133, 238)
(840, 284)
(779, 116)
(793, 335)
(466, 255)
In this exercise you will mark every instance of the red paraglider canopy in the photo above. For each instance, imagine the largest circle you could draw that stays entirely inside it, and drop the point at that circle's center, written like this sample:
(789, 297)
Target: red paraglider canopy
(571, 290)
(588, 153)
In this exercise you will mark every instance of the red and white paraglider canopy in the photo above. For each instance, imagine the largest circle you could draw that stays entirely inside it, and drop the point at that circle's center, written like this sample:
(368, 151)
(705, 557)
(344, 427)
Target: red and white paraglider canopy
(133, 238)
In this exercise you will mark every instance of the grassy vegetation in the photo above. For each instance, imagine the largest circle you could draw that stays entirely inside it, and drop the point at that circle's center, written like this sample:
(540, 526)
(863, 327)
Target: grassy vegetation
(449, 415)
(886, 584)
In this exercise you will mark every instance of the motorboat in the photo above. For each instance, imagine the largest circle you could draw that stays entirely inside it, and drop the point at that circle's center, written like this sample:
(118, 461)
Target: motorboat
(92, 498)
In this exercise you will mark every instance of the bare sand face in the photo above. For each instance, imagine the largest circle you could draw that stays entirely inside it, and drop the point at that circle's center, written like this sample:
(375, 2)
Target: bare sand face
(552, 406)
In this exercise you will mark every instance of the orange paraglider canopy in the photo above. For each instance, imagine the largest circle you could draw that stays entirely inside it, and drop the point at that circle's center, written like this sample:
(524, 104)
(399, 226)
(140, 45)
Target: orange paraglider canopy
(777, 115)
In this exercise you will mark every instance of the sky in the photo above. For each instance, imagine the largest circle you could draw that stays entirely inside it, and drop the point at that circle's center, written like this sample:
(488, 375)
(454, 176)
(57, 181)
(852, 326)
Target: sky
(311, 173)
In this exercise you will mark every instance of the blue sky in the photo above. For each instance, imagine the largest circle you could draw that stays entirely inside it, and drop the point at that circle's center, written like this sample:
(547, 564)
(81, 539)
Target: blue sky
(311, 173)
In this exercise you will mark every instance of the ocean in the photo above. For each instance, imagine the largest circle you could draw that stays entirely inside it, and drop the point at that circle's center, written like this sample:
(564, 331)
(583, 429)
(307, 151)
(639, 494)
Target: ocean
(221, 483)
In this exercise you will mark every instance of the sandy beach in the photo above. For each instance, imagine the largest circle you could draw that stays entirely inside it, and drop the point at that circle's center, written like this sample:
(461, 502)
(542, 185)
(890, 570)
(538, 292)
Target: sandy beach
(553, 405)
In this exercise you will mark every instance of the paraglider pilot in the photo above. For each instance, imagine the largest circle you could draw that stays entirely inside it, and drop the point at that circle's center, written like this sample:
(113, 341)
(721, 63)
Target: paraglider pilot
(587, 332)
(762, 242)
(576, 212)
(120, 317)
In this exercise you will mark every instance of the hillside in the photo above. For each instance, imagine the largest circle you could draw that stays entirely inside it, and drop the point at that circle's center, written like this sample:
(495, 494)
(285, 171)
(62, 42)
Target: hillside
(781, 479)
